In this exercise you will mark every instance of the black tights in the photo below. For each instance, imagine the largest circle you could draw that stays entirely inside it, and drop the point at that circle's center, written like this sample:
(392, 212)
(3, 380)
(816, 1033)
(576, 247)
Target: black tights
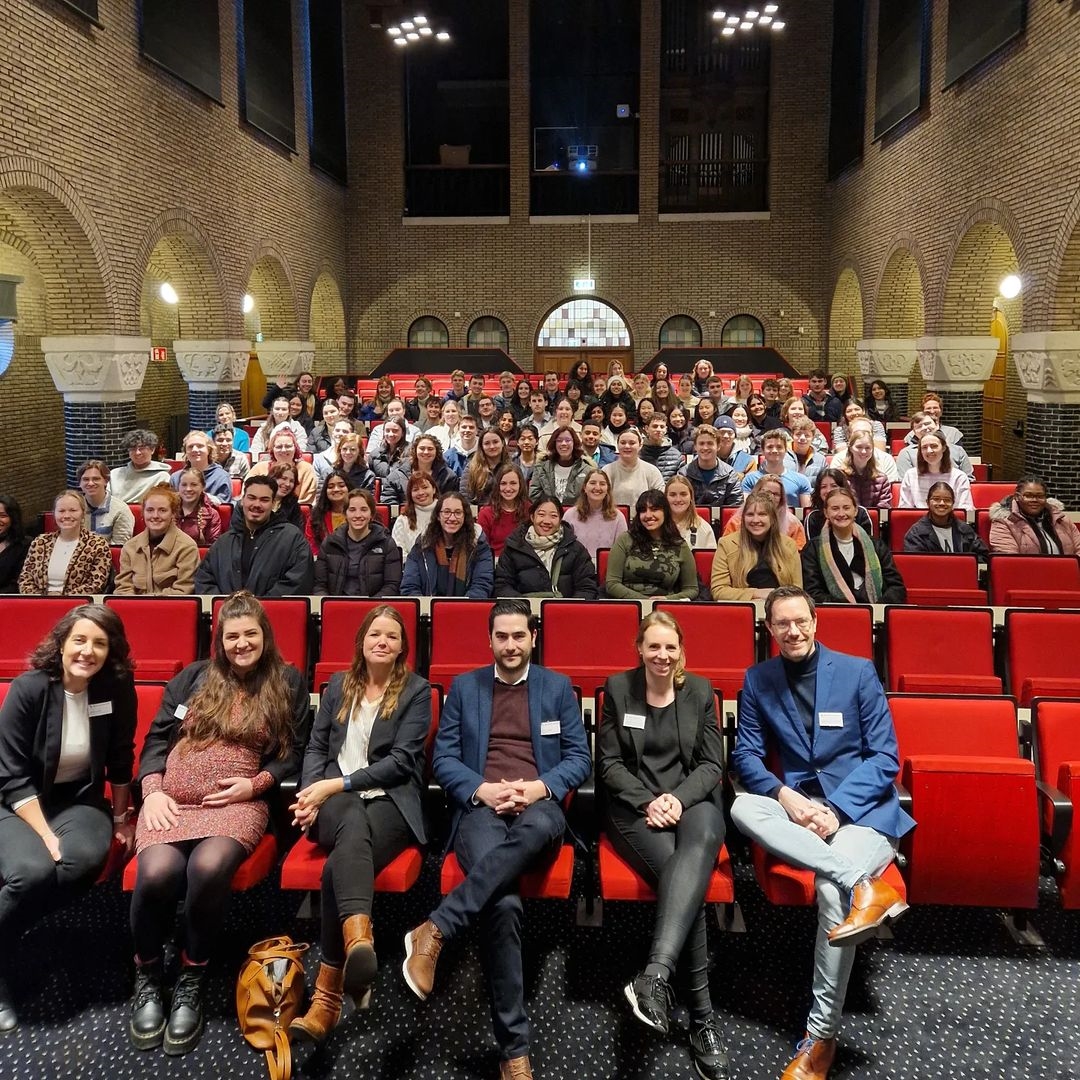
(677, 863)
(200, 872)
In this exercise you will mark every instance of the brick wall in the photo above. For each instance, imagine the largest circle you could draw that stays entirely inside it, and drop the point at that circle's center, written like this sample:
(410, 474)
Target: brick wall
(983, 182)
(648, 269)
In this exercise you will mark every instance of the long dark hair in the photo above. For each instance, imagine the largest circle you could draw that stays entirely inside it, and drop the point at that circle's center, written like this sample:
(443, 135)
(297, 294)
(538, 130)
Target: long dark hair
(16, 533)
(640, 540)
(322, 505)
(433, 534)
(837, 476)
(356, 678)
(48, 656)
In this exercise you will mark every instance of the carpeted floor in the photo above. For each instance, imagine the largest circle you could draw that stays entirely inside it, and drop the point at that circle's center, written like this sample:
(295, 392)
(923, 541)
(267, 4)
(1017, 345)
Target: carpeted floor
(951, 997)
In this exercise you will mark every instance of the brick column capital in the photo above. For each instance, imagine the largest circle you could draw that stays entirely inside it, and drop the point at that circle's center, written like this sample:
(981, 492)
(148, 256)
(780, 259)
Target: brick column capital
(1049, 365)
(888, 359)
(212, 365)
(960, 364)
(287, 358)
(96, 368)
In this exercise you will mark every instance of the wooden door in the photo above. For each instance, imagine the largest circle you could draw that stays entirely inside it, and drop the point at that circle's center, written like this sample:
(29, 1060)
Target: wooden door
(252, 389)
(994, 399)
(564, 359)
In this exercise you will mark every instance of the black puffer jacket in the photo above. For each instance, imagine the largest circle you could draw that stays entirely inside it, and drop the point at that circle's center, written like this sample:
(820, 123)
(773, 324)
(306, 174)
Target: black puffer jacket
(521, 573)
(380, 564)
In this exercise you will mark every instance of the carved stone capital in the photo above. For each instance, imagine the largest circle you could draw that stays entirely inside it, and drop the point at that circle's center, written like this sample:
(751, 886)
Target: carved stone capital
(213, 365)
(1049, 365)
(958, 364)
(286, 358)
(97, 367)
(888, 359)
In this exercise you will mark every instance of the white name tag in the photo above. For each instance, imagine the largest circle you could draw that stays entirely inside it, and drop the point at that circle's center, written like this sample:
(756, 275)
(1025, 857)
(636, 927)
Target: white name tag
(634, 720)
(180, 712)
(831, 719)
(102, 708)
(550, 727)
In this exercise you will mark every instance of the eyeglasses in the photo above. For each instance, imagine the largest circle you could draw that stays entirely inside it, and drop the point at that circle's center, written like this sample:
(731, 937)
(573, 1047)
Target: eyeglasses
(782, 626)
(451, 513)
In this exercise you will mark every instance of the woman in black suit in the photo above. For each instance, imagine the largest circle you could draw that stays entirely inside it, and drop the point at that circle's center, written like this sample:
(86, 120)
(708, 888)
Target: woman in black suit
(660, 764)
(360, 799)
(66, 726)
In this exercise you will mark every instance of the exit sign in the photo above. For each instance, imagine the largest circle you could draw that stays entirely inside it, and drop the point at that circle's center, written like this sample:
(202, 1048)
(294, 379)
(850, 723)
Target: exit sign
(159, 355)
(584, 284)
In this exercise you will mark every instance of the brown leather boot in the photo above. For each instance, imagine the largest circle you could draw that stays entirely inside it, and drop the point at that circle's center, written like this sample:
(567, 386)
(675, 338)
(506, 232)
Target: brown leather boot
(324, 1010)
(518, 1068)
(812, 1061)
(422, 948)
(361, 964)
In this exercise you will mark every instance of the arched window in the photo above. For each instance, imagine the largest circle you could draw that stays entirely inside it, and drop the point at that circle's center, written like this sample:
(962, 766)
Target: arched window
(680, 330)
(7, 345)
(743, 330)
(428, 333)
(489, 333)
(583, 323)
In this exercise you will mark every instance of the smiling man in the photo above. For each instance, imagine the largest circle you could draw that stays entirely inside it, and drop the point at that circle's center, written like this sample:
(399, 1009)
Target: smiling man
(830, 805)
(129, 483)
(510, 747)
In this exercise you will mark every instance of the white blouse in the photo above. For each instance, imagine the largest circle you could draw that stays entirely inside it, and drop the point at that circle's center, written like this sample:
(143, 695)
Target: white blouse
(354, 751)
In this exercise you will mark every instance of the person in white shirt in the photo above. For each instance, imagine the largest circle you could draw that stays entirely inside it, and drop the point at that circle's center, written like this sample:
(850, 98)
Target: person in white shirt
(629, 475)
(278, 418)
(106, 515)
(447, 431)
(394, 410)
(325, 462)
(129, 483)
(934, 464)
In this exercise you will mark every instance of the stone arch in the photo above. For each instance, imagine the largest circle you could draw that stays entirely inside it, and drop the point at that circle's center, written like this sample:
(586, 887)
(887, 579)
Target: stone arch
(326, 322)
(270, 282)
(899, 304)
(1063, 280)
(845, 322)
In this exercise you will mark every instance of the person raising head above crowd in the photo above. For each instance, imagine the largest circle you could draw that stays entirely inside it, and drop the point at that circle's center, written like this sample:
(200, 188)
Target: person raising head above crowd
(506, 510)
(452, 558)
(752, 561)
(160, 560)
(70, 560)
(1029, 522)
(651, 559)
(941, 532)
(358, 558)
(129, 483)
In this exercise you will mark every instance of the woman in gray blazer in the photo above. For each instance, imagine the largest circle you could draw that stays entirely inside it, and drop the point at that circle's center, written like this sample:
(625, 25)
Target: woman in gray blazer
(360, 799)
(660, 762)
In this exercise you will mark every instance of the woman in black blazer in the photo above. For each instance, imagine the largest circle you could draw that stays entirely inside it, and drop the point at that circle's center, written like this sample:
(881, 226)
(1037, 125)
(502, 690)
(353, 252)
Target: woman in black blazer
(660, 765)
(66, 727)
(360, 799)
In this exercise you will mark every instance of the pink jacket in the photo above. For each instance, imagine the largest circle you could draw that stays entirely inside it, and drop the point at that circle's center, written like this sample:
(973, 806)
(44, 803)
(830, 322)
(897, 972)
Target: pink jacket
(1010, 534)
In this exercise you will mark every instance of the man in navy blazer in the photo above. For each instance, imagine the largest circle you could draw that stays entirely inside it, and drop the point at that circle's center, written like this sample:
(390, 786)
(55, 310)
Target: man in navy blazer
(824, 801)
(510, 748)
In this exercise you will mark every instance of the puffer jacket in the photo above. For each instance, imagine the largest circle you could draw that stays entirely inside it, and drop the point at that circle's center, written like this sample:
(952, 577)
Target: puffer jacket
(380, 564)
(521, 573)
(1011, 534)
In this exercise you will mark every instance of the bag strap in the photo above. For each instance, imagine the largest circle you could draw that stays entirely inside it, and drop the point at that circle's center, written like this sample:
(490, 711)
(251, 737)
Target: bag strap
(279, 1060)
(276, 948)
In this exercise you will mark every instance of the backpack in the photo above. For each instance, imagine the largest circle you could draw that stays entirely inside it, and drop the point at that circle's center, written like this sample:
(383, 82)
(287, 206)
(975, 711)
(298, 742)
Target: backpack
(269, 993)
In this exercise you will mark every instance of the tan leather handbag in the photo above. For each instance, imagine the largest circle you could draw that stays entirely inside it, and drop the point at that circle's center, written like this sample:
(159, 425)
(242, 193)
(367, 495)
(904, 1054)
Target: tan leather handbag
(269, 993)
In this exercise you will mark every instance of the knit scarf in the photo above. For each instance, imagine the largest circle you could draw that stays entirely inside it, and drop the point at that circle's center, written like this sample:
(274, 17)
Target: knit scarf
(545, 547)
(834, 577)
(456, 563)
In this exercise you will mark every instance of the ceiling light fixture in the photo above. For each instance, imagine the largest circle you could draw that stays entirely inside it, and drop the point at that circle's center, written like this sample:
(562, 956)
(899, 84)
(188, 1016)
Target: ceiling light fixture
(400, 41)
(248, 305)
(426, 31)
(168, 293)
(420, 20)
(408, 24)
(442, 35)
(1010, 286)
(719, 15)
(778, 24)
(728, 31)
(394, 31)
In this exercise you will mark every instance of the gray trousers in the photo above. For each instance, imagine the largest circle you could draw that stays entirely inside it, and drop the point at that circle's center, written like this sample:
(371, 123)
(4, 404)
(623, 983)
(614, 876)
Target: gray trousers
(852, 852)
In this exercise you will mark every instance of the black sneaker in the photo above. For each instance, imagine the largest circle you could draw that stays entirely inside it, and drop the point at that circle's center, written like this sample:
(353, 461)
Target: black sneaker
(9, 1019)
(710, 1054)
(146, 1025)
(650, 997)
(185, 1026)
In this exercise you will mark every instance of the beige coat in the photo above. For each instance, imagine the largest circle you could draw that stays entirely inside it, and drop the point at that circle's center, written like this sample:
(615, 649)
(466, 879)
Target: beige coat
(167, 569)
(723, 588)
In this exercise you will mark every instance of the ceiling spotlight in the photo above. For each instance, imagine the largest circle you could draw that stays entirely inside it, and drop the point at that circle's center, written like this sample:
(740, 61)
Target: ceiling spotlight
(408, 25)
(746, 26)
(778, 24)
(733, 20)
(248, 306)
(1010, 286)
(394, 31)
(400, 41)
(719, 15)
(426, 31)
(168, 293)
(413, 36)
(728, 31)
(420, 20)
(442, 35)
(764, 20)
(751, 14)
(771, 9)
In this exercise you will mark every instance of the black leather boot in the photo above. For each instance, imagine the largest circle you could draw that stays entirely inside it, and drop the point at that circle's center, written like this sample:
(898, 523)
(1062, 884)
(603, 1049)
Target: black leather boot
(146, 1026)
(185, 1026)
(9, 1019)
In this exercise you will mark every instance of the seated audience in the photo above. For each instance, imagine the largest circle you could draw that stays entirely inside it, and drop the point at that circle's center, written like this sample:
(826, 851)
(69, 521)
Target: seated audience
(285, 448)
(752, 561)
(327, 460)
(395, 410)
(922, 424)
(931, 404)
(478, 478)
(415, 514)
(761, 420)
(932, 464)
(199, 454)
(415, 407)
(841, 388)
(685, 393)
(196, 517)
(507, 384)
(506, 510)
(228, 730)
(706, 413)
(447, 430)
(844, 564)
(618, 421)
(651, 559)
(596, 520)
(879, 404)
(260, 553)
(319, 438)
(738, 461)
(359, 558)
(543, 557)
(595, 454)
(841, 436)
(703, 372)
(106, 515)
(828, 480)
(426, 457)
(693, 528)
(679, 430)
(431, 417)
(643, 413)
(562, 472)
(14, 543)
(820, 404)
(278, 420)
(1028, 522)
(784, 390)
(286, 505)
(328, 513)
(562, 418)
(663, 396)
(747, 438)
(452, 558)
(520, 403)
(360, 800)
(941, 532)
(802, 457)
(882, 461)
(629, 475)
(69, 561)
(160, 560)
(299, 414)
(774, 462)
(790, 525)
(526, 458)
(794, 408)
(392, 450)
(375, 409)
(871, 486)
(129, 483)
(465, 446)
(226, 414)
(234, 462)
(657, 449)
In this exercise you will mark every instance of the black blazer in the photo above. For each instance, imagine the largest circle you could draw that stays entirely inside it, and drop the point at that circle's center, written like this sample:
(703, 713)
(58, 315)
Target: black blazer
(395, 753)
(31, 724)
(181, 688)
(620, 748)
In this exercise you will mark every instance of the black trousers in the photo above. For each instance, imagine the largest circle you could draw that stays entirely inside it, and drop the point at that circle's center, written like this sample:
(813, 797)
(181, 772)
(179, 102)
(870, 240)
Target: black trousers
(494, 851)
(362, 836)
(677, 863)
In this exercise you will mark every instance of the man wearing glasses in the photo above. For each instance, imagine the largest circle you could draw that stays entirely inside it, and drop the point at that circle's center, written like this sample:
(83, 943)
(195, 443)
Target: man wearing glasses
(830, 805)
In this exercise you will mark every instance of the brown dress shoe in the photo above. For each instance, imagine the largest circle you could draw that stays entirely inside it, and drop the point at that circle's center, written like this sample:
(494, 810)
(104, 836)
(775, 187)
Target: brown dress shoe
(812, 1061)
(517, 1068)
(873, 900)
(361, 965)
(324, 1011)
(422, 948)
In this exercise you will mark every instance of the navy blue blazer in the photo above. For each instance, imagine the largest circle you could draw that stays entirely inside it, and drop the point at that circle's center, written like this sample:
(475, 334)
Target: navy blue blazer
(461, 744)
(855, 762)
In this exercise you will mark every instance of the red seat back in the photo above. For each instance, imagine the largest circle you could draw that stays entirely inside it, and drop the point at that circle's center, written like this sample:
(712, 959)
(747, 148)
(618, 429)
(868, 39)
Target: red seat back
(954, 725)
(986, 495)
(588, 640)
(342, 618)
(459, 638)
(160, 629)
(1042, 656)
(704, 626)
(931, 645)
(24, 622)
(941, 580)
(1033, 574)
(289, 616)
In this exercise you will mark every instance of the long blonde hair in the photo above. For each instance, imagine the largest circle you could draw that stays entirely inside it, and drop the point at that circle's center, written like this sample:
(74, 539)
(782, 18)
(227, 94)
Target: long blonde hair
(608, 509)
(356, 678)
(662, 618)
(691, 513)
(748, 553)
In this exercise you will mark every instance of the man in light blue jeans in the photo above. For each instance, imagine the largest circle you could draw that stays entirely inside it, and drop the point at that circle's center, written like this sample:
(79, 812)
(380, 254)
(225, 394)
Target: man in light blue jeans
(825, 801)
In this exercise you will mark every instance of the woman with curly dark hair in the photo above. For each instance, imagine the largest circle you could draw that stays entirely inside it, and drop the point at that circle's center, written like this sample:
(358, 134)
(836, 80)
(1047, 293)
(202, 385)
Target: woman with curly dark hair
(226, 733)
(66, 727)
(452, 558)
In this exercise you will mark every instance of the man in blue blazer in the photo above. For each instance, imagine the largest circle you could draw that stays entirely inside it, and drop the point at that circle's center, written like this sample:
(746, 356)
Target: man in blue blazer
(824, 800)
(510, 748)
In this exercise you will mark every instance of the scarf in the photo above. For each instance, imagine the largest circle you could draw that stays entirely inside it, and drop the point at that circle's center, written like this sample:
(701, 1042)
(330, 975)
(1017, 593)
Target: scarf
(456, 564)
(834, 574)
(544, 547)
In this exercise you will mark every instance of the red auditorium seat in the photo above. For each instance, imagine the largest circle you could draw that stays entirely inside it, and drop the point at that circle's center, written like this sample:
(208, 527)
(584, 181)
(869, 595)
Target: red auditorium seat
(341, 619)
(720, 641)
(225, 513)
(1056, 746)
(1042, 654)
(589, 639)
(974, 798)
(26, 620)
(847, 628)
(940, 650)
(163, 632)
(703, 560)
(1045, 581)
(248, 874)
(459, 638)
(941, 580)
(551, 881)
(986, 495)
(902, 520)
(289, 616)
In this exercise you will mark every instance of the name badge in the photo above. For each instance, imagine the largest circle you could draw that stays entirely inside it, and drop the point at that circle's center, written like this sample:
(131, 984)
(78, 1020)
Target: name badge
(180, 712)
(634, 720)
(102, 708)
(550, 727)
(831, 719)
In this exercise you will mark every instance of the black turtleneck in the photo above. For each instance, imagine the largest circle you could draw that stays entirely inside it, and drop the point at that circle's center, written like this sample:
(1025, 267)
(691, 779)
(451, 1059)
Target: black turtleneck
(802, 681)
